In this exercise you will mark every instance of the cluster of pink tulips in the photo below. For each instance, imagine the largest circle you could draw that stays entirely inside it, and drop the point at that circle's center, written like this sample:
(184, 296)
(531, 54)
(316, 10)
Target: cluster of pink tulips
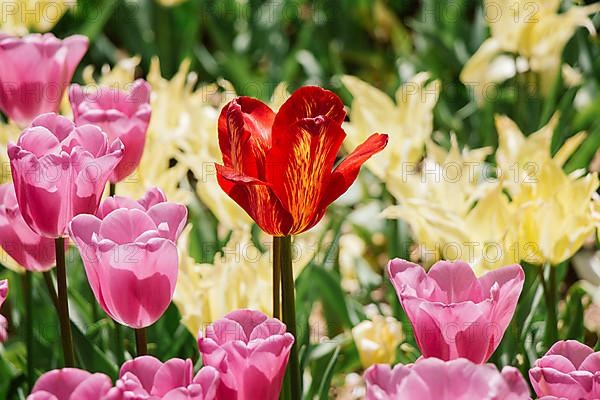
(244, 355)
(459, 320)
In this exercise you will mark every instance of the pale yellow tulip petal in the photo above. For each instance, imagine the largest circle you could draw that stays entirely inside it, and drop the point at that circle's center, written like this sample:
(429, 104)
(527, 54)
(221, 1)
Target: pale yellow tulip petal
(377, 340)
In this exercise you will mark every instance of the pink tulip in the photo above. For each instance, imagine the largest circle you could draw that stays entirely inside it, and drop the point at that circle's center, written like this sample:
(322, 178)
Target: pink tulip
(434, 379)
(121, 115)
(251, 353)
(569, 370)
(3, 321)
(35, 70)
(70, 384)
(130, 256)
(59, 171)
(146, 377)
(27, 248)
(453, 313)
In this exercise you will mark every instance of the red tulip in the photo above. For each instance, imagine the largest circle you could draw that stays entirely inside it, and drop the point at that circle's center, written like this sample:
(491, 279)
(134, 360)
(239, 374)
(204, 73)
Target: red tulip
(279, 166)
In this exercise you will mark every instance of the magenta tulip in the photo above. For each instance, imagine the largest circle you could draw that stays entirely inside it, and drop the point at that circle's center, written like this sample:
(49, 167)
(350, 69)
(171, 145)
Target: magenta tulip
(35, 70)
(27, 248)
(146, 377)
(453, 313)
(251, 353)
(434, 379)
(120, 115)
(130, 256)
(3, 321)
(70, 384)
(59, 171)
(569, 370)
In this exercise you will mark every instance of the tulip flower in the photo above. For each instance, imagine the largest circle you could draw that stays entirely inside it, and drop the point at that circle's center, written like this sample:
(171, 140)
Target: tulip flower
(25, 247)
(377, 340)
(59, 171)
(147, 378)
(533, 32)
(408, 121)
(250, 351)
(35, 70)
(33, 15)
(434, 379)
(453, 214)
(279, 166)
(120, 115)
(130, 257)
(453, 313)
(3, 321)
(70, 384)
(569, 370)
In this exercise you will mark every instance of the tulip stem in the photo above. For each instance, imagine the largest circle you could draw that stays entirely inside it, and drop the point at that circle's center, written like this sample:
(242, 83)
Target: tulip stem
(63, 303)
(276, 278)
(141, 342)
(27, 293)
(119, 349)
(549, 285)
(51, 290)
(289, 311)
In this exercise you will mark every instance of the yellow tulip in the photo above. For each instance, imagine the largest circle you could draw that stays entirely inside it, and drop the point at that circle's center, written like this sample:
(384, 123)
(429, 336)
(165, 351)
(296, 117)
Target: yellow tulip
(377, 340)
(554, 210)
(23, 16)
(455, 210)
(520, 157)
(556, 214)
(408, 120)
(241, 276)
(533, 32)
(446, 179)
(121, 76)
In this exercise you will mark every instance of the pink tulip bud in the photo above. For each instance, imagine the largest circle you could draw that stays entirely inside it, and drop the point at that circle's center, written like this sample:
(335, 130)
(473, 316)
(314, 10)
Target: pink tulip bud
(434, 379)
(453, 313)
(146, 377)
(3, 321)
(35, 70)
(120, 115)
(70, 384)
(27, 248)
(569, 370)
(130, 256)
(60, 171)
(251, 353)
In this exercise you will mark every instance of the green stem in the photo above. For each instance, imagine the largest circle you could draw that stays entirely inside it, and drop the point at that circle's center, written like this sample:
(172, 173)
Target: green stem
(289, 311)
(141, 342)
(276, 278)
(551, 332)
(63, 304)
(119, 348)
(27, 293)
(51, 290)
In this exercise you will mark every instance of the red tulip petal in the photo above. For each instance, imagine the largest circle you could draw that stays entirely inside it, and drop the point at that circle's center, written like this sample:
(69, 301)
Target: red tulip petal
(308, 102)
(300, 163)
(245, 135)
(256, 198)
(346, 172)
